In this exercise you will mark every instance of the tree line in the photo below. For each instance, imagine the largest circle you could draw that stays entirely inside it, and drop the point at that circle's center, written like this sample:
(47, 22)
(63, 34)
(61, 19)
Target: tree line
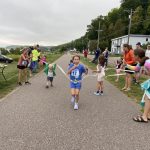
(113, 25)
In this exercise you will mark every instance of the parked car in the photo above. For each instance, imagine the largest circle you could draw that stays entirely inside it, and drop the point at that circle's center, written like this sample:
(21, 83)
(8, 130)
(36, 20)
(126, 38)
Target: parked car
(5, 59)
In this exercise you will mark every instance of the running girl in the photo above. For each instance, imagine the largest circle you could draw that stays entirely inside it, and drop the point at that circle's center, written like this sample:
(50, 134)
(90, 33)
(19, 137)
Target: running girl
(76, 71)
(100, 75)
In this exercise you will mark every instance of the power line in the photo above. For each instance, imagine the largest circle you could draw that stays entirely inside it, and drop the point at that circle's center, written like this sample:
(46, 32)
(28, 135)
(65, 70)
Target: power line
(104, 37)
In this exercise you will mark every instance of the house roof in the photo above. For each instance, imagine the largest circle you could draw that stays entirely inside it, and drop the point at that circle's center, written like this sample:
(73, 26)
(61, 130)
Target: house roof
(131, 35)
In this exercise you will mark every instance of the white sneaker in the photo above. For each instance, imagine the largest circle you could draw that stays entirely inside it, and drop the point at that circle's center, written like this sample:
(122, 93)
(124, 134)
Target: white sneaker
(72, 100)
(76, 106)
(97, 94)
(101, 94)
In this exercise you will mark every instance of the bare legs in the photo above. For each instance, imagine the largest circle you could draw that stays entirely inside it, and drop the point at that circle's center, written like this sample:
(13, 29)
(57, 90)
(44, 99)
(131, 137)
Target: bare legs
(146, 113)
(127, 82)
(75, 94)
(100, 86)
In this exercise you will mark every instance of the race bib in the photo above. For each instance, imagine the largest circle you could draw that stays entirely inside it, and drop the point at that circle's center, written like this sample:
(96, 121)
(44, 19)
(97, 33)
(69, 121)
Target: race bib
(75, 73)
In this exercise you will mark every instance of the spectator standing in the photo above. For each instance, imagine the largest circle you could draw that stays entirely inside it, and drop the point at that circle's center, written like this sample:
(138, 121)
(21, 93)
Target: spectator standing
(22, 67)
(128, 60)
(106, 55)
(97, 54)
(85, 53)
(35, 55)
(147, 54)
(138, 45)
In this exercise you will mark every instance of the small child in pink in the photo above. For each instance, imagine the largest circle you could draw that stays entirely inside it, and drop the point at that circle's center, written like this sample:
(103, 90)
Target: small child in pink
(43, 60)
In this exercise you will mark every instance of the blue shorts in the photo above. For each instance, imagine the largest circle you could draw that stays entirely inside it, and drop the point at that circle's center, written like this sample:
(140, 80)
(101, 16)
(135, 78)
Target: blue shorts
(75, 85)
(50, 79)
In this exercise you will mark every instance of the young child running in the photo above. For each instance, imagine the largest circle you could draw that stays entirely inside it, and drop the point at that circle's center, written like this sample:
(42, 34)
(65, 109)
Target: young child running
(76, 71)
(119, 65)
(100, 75)
(50, 72)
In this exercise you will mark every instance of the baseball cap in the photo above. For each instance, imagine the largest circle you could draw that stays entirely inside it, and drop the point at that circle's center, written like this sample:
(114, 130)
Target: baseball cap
(138, 43)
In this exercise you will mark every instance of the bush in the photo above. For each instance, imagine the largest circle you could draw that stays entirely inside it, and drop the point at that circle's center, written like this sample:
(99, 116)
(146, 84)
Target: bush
(16, 51)
(4, 52)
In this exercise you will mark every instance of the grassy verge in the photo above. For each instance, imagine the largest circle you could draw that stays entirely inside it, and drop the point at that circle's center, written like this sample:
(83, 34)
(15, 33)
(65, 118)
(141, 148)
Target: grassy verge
(115, 55)
(11, 74)
(135, 94)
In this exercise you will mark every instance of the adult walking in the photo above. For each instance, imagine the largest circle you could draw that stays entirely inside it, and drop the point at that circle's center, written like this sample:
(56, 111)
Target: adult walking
(85, 53)
(128, 60)
(97, 54)
(106, 55)
(22, 67)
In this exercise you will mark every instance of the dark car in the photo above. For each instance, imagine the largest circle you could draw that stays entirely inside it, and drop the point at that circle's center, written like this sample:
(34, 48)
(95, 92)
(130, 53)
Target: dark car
(5, 59)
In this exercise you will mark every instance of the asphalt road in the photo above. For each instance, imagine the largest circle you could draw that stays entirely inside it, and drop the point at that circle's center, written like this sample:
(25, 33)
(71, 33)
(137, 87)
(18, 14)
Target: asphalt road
(36, 118)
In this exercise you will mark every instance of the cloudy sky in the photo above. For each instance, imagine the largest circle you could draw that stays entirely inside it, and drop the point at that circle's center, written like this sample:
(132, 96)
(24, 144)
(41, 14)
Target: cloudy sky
(48, 22)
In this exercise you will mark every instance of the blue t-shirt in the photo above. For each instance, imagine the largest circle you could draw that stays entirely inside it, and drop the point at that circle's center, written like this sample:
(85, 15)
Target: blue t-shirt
(76, 74)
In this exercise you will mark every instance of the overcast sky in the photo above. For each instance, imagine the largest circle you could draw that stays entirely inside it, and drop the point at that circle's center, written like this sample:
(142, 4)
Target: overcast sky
(48, 22)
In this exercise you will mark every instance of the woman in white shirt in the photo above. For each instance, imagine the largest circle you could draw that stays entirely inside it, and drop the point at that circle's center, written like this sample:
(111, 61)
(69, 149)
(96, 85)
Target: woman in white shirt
(147, 54)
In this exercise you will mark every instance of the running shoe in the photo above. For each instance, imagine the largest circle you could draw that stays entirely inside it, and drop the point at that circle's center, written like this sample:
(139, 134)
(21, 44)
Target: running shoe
(76, 107)
(96, 93)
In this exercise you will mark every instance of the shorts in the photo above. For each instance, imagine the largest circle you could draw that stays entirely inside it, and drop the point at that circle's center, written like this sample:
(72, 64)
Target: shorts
(21, 67)
(128, 71)
(100, 78)
(50, 79)
(147, 92)
(147, 65)
(118, 71)
(75, 85)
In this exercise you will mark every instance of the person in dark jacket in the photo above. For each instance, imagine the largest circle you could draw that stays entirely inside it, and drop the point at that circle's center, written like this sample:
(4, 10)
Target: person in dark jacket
(97, 54)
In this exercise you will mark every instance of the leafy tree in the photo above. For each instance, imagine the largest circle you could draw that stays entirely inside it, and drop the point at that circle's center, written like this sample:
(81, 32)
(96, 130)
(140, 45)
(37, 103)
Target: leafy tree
(137, 19)
(147, 22)
(130, 4)
(115, 24)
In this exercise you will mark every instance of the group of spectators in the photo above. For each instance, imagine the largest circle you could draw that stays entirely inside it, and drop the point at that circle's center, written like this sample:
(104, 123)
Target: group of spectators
(97, 53)
(138, 61)
(29, 60)
(129, 59)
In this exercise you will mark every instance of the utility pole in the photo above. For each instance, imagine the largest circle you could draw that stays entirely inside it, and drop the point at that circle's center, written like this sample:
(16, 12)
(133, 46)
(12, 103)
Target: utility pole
(129, 28)
(98, 35)
(98, 32)
(82, 43)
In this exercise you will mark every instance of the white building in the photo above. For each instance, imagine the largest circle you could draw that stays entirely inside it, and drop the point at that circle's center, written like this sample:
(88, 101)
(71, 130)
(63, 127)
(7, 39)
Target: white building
(117, 43)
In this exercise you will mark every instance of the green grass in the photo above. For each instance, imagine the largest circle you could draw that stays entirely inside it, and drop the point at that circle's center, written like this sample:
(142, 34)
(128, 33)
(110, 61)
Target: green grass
(52, 57)
(115, 55)
(7, 86)
(88, 62)
(135, 94)
(11, 73)
(14, 57)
